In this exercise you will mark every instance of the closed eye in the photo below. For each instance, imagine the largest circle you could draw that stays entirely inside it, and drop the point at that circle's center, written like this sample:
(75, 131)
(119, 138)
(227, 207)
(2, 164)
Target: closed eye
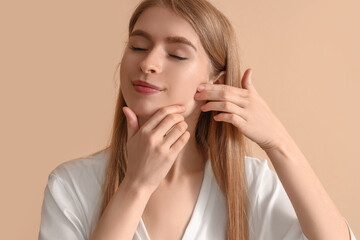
(137, 49)
(144, 49)
(177, 57)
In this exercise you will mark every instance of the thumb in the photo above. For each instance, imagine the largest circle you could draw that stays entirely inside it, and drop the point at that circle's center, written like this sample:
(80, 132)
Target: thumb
(246, 80)
(132, 122)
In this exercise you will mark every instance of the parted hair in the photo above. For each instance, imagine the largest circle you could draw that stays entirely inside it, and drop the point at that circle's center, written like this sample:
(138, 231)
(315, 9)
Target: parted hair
(224, 143)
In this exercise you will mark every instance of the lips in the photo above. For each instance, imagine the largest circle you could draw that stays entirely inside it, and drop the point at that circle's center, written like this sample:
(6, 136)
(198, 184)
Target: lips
(146, 84)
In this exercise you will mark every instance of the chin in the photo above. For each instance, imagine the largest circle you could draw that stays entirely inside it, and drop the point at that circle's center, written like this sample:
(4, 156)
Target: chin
(144, 110)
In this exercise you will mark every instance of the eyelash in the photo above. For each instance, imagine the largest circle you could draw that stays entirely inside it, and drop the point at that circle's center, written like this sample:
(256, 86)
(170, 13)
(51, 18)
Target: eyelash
(143, 49)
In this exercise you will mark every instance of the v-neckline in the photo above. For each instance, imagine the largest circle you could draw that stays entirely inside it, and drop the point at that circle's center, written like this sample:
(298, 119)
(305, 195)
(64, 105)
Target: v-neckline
(197, 213)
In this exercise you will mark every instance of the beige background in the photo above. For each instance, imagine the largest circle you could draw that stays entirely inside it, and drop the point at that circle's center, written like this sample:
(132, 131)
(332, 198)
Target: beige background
(57, 92)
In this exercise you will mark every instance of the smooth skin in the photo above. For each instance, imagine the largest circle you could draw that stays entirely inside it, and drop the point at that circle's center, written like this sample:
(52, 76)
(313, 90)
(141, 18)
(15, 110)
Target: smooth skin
(161, 170)
(161, 144)
(245, 109)
(161, 139)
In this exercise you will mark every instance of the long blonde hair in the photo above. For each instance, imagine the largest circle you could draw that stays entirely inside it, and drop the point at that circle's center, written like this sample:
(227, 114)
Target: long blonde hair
(224, 142)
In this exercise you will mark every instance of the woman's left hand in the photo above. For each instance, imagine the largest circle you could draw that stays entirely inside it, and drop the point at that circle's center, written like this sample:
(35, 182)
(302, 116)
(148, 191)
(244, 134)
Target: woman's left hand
(245, 109)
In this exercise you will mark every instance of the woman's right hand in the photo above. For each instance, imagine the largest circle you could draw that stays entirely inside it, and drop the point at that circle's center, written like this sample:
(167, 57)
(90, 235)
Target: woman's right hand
(153, 148)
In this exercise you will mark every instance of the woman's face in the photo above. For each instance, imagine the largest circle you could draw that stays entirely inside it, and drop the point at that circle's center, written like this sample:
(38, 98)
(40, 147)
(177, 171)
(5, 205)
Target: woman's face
(165, 51)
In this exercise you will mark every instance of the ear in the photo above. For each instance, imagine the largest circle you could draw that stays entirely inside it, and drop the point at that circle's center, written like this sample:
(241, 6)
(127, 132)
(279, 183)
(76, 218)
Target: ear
(219, 79)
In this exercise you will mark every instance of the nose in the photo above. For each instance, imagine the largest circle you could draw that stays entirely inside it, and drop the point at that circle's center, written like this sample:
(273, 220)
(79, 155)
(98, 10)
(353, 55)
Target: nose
(152, 62)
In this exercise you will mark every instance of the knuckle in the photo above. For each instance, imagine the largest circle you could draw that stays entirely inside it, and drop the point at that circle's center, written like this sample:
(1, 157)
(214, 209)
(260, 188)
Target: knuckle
(159, 149)
(224, 93)
(151, 140)
(226, 88)
(173, 117)
(182, 126)
(163, 111)
(168, 158)
(142, 131)
(176, 117)
(246, 103)
(185, 137)
(227, 105)
(232, 117)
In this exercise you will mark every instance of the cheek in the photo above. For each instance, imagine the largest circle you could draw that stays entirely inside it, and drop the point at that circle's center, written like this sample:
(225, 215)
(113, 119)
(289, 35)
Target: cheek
(184, 85)
(127, 69)
(186, 80)
(127, 65)
(123, 73)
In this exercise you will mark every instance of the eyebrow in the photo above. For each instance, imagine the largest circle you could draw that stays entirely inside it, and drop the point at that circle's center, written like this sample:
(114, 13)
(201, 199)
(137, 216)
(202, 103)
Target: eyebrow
(171, 39)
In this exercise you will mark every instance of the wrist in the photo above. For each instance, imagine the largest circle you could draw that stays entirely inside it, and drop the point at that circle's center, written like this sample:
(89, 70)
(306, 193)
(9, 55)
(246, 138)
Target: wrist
(285, 153)
(131, 187)
(280, 143)
(284, 147)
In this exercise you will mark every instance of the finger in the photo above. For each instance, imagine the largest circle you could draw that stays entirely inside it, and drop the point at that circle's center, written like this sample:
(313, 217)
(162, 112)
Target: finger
(224, 89)
(131, 121)
(179, 144)
(234, 119)
(228, 107)
(175, 133)
(220, 95)
(246, 81)
(160, 115)
(166, 125)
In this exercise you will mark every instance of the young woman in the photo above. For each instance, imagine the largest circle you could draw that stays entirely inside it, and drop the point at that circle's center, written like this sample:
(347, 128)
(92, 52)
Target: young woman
(176, 166)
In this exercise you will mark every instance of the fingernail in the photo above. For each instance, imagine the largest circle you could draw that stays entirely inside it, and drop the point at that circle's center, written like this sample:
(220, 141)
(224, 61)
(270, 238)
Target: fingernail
(201, 87)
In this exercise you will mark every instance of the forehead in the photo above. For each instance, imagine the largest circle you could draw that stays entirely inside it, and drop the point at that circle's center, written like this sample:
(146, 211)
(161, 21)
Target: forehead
(161, 23)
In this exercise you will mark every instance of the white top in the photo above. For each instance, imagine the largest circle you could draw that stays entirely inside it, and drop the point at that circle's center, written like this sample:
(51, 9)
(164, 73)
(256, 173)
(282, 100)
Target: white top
(72, 200)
